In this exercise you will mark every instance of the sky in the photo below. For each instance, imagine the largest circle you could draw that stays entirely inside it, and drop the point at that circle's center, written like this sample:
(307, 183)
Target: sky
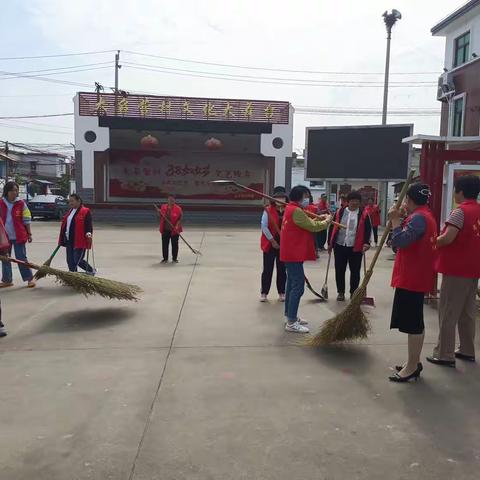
(346, 36)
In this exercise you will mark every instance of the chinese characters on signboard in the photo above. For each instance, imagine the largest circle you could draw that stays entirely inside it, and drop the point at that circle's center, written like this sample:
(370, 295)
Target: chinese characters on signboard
(181, 108)
(154, 175)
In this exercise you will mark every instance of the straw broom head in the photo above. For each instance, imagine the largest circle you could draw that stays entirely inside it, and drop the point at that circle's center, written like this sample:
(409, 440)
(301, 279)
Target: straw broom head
(349, 325)
(85, 284)
(88, 285)
(41, 273)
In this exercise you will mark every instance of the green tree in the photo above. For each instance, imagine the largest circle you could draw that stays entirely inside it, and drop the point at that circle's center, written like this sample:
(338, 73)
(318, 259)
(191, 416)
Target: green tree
(64, 185)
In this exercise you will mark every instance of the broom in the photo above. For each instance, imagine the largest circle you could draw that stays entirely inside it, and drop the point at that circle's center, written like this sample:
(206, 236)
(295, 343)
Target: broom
(268, 197)
(368, 301)
(351, 323)
(324, 290)
(85, 284)
(41, 274)
(196, 252)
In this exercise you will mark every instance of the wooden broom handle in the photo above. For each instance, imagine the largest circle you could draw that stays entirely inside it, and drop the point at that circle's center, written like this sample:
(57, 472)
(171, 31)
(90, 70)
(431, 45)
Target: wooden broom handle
(398, 204)
(4, 258)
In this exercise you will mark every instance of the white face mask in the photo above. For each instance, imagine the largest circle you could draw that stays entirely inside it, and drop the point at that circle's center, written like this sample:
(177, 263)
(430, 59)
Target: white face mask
(305, 202)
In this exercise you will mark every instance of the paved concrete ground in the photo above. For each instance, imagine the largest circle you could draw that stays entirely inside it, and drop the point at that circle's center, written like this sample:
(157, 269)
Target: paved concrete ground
(198, 380)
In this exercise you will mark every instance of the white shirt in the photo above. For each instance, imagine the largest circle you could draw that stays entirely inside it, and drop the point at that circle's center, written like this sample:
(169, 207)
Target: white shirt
(69, 222)
(346, 237)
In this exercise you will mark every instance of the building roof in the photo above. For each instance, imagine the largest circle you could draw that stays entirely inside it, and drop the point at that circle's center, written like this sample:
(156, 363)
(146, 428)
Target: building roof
(472, 143)
(469, 6)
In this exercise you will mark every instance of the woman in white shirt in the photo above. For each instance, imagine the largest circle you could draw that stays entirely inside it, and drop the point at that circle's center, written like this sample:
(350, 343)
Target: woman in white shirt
(349, 244)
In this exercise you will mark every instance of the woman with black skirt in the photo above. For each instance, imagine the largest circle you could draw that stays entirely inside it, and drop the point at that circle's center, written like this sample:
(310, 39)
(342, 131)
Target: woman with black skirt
(413, 274)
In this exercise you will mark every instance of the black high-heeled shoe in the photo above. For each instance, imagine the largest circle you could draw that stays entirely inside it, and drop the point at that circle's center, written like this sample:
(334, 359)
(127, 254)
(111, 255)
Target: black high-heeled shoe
(399, 368)
(414, 376)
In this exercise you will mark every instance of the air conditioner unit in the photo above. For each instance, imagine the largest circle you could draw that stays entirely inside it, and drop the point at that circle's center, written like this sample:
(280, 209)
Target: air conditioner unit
(446, 87)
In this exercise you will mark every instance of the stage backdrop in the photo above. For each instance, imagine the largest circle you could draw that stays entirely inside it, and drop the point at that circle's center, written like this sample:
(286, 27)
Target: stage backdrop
(143, 176)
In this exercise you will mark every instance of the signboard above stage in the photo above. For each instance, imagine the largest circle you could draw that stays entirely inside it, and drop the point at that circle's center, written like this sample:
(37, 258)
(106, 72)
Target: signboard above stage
(183, 108)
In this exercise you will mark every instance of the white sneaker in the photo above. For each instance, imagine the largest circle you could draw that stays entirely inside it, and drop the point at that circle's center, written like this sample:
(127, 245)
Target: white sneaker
(281, 297)
(301, 321)
(296, 328)
(263, 298)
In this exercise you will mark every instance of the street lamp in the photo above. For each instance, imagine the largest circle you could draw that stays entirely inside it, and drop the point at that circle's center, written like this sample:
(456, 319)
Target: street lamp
(390, 19)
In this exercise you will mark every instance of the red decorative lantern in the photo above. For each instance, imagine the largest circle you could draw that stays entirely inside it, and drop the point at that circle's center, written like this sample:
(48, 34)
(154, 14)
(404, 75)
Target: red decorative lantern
(149, 141)
(213, 144)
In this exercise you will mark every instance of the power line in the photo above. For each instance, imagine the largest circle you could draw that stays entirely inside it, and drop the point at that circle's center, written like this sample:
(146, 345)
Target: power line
(42, 124)
(15, 75)
(300, 81)
(38, 116)
(271, 82)
(21, 127)
(271, 69)
(59, 68)
(58, 55)
(37, 95)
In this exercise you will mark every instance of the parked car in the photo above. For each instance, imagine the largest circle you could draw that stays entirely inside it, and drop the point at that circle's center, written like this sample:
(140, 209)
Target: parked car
(48, 206)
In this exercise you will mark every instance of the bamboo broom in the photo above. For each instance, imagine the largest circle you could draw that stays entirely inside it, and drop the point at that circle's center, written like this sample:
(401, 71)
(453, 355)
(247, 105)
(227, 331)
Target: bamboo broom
(41, 274)
(268, 197)
(85, 284)
(351, 323)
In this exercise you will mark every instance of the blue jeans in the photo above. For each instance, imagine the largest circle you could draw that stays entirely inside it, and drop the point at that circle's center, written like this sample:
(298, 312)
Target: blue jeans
(75, 259)
(295, 289)
(20, 254)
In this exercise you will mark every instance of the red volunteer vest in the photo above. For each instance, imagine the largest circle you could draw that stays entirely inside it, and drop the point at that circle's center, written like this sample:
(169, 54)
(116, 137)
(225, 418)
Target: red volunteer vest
(312, 208)
(17, 217)
(414, 265)
(360, 235)
(323, 207)
(296, 244)
(80, 240)
(274, 227)
(4, 241)
(462, 257)
(175, 215)
(374, 213)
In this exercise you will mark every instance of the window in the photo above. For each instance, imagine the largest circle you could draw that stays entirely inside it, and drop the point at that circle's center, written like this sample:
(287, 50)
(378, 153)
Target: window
(457, 116)
(462, 49)
(33, 167)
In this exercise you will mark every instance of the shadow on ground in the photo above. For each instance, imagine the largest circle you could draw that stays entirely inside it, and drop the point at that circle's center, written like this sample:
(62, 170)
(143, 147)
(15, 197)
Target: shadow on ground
(88, 319)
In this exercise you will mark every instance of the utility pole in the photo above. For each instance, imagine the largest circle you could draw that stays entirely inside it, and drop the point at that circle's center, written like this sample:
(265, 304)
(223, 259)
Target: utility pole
(390, 20)
(117, 68)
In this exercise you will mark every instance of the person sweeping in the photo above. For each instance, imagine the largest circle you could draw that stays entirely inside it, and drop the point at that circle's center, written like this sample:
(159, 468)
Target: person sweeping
(270, 244)
(297, 246)
(413, 274)
(17, 218)
(4, 246)
(459, 263)
(76, 235)
(170, 227)
(349, 244)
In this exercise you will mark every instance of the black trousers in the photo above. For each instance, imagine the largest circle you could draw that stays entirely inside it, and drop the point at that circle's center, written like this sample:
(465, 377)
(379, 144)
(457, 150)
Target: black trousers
(346, 256)
(166, 238)
(269, 260)
(375, 234)
(321, 239)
